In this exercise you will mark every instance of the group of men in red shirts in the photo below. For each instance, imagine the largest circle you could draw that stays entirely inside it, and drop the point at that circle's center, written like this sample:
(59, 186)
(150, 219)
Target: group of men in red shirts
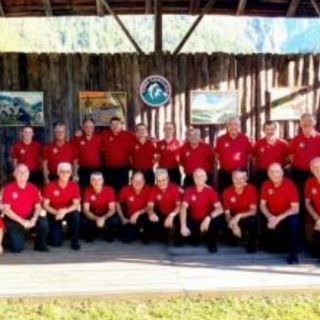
(86, 183)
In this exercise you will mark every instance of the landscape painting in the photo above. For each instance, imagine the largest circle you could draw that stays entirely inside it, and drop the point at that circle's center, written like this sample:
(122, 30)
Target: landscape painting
(18, 108)
(101, 106)
(212, 107)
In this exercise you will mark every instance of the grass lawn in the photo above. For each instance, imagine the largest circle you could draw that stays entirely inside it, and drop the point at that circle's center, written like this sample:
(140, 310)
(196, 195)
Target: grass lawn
(288, 306)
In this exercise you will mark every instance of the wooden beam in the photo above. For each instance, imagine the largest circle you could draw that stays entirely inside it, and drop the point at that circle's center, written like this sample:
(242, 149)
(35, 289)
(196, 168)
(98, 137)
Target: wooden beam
(122, 27)
(158, 26)
(316, 7)
(293, 8)
(241, 6)
(148, 6)
(2, 13)
(100, 8)
(206, 8)
(47, 8)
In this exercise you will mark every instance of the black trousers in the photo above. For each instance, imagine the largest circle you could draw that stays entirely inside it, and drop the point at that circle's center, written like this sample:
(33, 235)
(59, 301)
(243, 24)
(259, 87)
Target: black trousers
(116, 177)
(284, 238)
(224, 180)
(188, 180)
(260, 177)
(84, 176)
(131, 232)
(16, 234)
(36, 177)
(108, 231)
(149, 176)
(316, 243)
(56, 230)
(175, 175)
(53, 177)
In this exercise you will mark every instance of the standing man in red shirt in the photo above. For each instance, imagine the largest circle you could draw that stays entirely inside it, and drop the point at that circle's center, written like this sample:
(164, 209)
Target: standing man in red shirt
(267, 150)
(99, 207)
(61, 200)
(164, 207)
(233, 152)
(22, 209)
(240, 203)
(312, 202)
(28, 151)
(143, 154)
(56, 152)
(168, 153)
(280, 206)
(88, 152)
(201, 213)
(132, 209)
(196, 154)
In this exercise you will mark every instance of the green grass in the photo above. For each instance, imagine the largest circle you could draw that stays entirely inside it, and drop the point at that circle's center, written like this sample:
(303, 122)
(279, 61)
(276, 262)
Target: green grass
(289, 306)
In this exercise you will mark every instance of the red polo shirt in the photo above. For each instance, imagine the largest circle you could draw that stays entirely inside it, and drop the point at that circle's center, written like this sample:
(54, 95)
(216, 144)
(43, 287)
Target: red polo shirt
(304, 150)
(61, 197)
(168, 153)
(165, 200)
(99, 202)
(21, 200)
(238, 203)
(55, 154)
(266, 153)
(88, 151)
(1, 224)
(193, 158)
(312, 192)
(279, 199)
(116, 148)
(202, 203)
(132, 200)
(233, 153)
(28, 154)
(142, 155)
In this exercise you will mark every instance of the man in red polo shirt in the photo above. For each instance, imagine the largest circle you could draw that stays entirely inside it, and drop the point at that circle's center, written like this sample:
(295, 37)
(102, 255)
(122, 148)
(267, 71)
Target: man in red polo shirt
(233, 152)
(201, 213)
(164, 207)
(240, 203)
(99, 207)
(267, 150)
(61, 200)
(196, 154)
(132, 209)
(168, 153)
(88, 152)
(280, 206)
(143, 154)
(22, 209)
(312, 202)
(116, 144)
(59, 151)
(28, 151)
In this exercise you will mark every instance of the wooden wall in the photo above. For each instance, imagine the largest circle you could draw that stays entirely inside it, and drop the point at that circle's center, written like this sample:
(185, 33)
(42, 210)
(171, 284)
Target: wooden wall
(62, 76)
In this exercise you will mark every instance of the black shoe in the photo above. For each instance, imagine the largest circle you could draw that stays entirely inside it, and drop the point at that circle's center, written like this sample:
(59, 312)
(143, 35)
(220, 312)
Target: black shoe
(212, 248)
(75, 246)
(251, 248)
(41, 249)
(178, 243)
(292, 259)
(109, 238)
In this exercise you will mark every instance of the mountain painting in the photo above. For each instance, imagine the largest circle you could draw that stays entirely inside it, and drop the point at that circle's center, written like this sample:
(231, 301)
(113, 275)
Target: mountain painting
(19, 108)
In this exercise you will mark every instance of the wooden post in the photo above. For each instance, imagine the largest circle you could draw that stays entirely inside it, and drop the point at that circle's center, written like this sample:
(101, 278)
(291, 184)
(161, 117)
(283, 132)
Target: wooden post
(241, 6)
(293, 8)
(2, 13)
(122, 26)
(47, 8)
(100, 10)
(316, 7)
(209, 4)
(158, 26)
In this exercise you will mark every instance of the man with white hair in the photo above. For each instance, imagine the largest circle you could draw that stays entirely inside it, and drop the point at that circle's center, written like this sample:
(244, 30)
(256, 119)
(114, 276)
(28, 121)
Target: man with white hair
(196, 154)
(233, 152)
(201, 213)
(312, 202)
(99, 207)
(22, 209)
(163, 207)
(61, 200)
(240, 203)
(280, 206)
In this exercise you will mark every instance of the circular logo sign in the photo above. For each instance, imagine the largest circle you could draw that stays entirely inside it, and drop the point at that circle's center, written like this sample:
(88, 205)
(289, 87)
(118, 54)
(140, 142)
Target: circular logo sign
(155, 91)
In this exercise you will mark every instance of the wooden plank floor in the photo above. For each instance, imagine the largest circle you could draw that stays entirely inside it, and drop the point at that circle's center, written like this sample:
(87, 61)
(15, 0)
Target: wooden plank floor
(104, 269)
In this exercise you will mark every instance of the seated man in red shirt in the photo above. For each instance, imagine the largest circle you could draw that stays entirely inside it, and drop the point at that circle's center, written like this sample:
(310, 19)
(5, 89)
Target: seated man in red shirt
(201, 213)
(164, 207)
(280, 206)
(22, 209)
(240, 203)
(61, 200)
(132, 209)
(312, 202)
(28, 151)
(99, 207)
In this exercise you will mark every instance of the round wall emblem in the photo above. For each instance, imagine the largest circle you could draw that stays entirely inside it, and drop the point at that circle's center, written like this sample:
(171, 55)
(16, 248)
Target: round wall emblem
(155, 91)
